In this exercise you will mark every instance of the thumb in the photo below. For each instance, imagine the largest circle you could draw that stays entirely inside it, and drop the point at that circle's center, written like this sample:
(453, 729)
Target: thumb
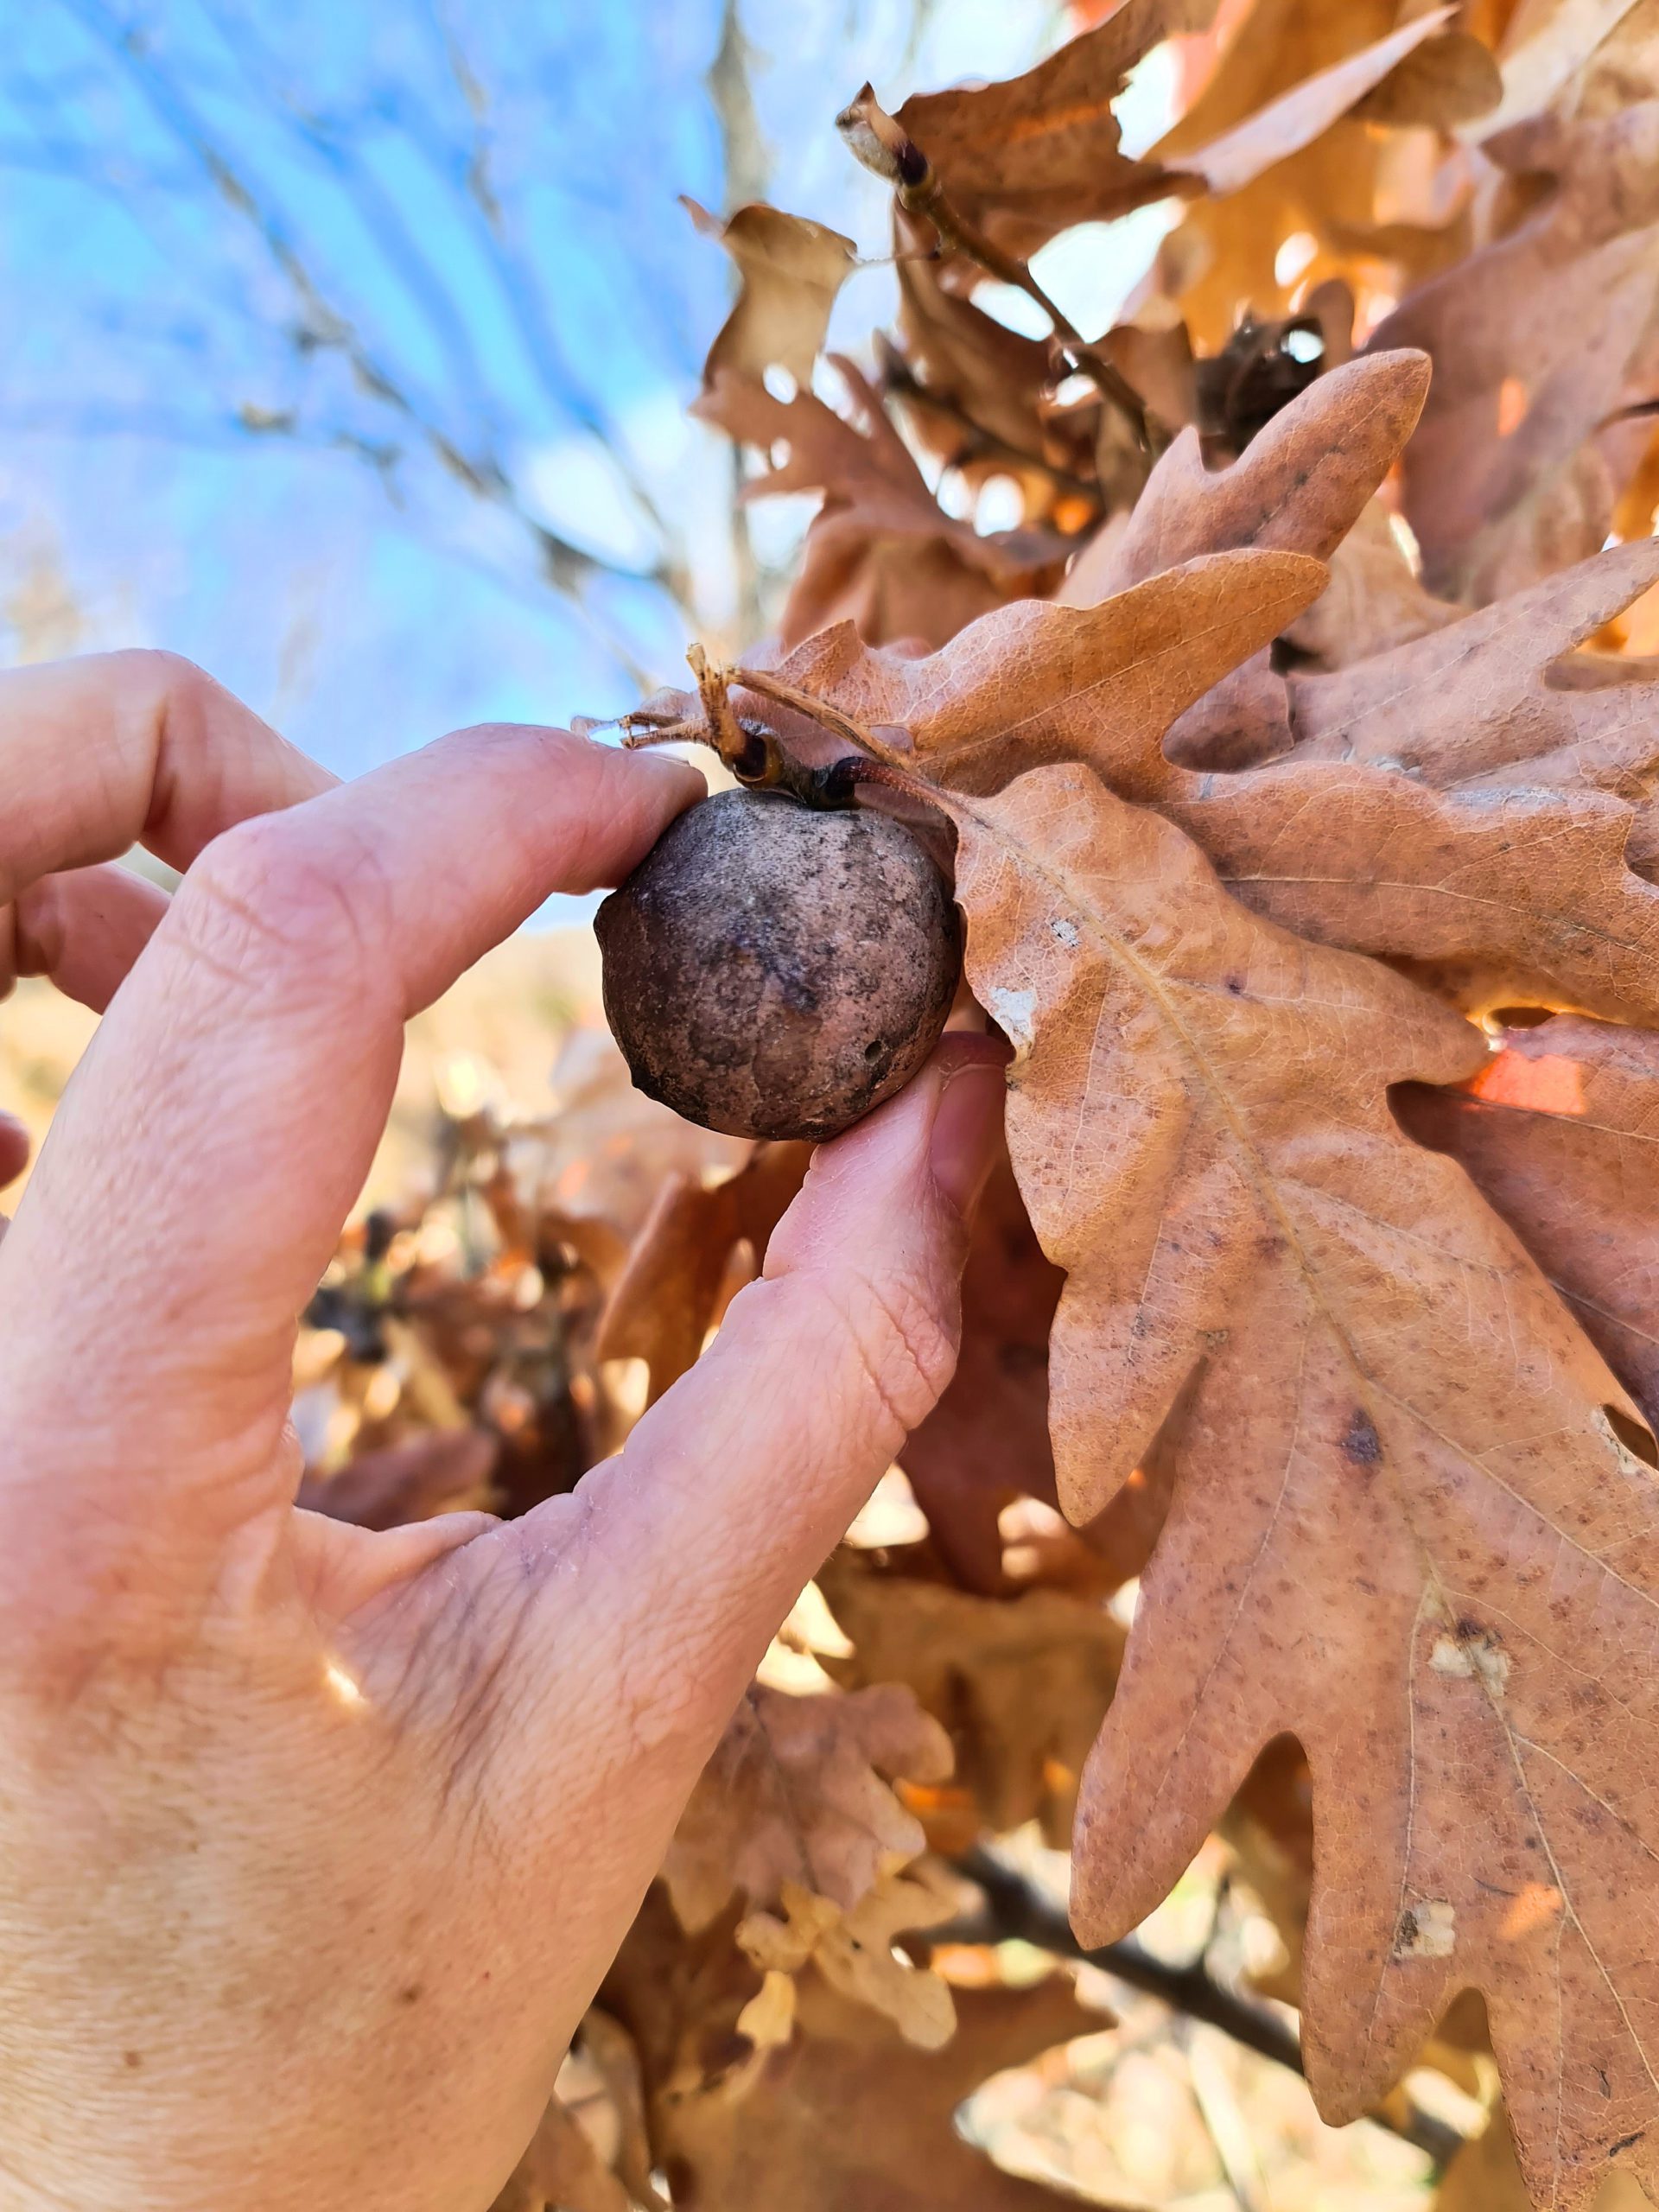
(736, 1486)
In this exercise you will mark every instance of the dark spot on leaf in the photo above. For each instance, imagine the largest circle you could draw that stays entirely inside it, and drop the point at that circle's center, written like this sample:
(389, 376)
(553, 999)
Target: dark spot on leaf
(412, 1995)
(1361, 1444)
(134, 2059)
(1623, 2144)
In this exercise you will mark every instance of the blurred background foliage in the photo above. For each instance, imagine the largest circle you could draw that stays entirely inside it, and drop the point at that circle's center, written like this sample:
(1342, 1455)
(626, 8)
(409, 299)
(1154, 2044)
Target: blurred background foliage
(347, 350)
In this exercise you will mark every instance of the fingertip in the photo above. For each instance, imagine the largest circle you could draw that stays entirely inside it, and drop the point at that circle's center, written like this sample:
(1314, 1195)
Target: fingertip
(666, 770)
(967, 1132)
(949, 1116)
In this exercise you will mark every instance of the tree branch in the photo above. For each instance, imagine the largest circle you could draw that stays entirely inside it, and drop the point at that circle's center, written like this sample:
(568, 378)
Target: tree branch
(1015, 1909)
(743, 161)
(567, 566)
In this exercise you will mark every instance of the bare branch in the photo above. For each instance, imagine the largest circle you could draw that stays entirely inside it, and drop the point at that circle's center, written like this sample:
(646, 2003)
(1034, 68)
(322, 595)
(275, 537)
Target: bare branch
(1016, 1910)
(745, 165)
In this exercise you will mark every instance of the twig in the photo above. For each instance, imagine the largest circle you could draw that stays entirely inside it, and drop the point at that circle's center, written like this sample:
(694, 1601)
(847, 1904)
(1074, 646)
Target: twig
(901, 380)
(744, 162)
(567, 566)
(826, 716)
(1015, 1909)
(884, 146)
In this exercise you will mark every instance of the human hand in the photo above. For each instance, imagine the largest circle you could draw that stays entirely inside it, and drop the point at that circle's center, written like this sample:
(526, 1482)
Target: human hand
(314, 1842)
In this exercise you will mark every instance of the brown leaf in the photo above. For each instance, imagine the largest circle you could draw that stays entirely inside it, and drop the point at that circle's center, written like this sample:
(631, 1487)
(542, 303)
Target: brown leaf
(1534, 338)
(1497, 896)
(857, 1952)
(1476, 699)
(1034, 682)
(1220, 263)
(844, 2117)
(1485, 2176)
(1298, 488)
(440, 1470)
(1306, 111)
(561, 2169)
(1374, 601)
(1432, 1566)
(791, 270)
(1021, 1683)
(667, 1298)
(977, 395)
(1028, 158)
(986, 1442)
(1546, 48)
(795, 1793)
(881, 552)
(1560, 1132)
(1451, 80)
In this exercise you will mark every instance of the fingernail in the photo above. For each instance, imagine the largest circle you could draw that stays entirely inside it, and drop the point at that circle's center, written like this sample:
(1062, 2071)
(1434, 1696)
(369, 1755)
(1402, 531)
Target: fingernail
(967, 1124)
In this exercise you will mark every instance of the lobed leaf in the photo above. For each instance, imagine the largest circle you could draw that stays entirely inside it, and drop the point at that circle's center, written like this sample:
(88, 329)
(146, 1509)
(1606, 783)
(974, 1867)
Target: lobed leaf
(795, 1794)
(791, 269)
(1561, 1133)
(1404, 1528)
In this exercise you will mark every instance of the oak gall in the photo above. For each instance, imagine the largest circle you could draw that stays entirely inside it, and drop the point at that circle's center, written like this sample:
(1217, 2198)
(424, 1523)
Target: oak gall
(771, 970)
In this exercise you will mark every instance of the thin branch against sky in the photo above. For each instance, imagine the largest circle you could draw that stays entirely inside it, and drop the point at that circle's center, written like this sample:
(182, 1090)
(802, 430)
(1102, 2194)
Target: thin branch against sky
(403, 296)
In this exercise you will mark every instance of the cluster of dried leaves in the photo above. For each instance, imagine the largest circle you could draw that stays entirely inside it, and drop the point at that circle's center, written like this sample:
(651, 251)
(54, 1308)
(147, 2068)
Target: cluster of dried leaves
(1299, 745)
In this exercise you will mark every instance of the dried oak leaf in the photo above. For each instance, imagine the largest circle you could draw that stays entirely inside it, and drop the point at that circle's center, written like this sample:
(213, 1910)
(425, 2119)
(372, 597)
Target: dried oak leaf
(562, 2170)
(976, 394)
(1220, 262)
(1433, 1564)
(667, 1297)
(849, 2115)
(798, 1791)
(440, 1470)
(1029, 157)
(1036, 682)
(1374, 601)
(1452, 81)
(843, 2117)
(1021, 1683)
(791, 269)
(1483, 697)
(1299, 487)
(1537, 339)
(1291, 122)
(1495, 896)
(1549, 45)
(1454, 804)
(881, 552)
(1561, 1133)
(857, 1952)
(986, 1442)
(1485, 2176)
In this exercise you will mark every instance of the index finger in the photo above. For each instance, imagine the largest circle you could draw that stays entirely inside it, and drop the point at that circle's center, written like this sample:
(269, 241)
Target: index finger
(130, 748)
(102, 753)
(222, 1121)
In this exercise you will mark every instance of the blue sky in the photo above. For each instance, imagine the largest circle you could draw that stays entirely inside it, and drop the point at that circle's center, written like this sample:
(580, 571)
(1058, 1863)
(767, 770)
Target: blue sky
(217, 215)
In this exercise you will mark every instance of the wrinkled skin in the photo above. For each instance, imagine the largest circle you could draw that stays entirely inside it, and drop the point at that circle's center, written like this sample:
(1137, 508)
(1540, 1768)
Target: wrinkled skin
(314, 1842)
